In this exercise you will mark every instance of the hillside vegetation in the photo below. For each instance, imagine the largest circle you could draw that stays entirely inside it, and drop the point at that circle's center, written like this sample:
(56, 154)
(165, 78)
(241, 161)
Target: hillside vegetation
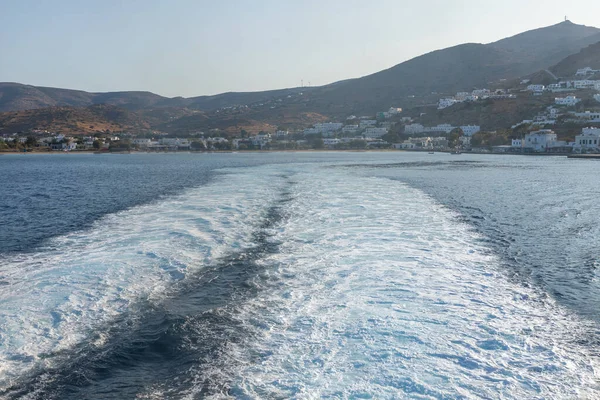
(97, 118)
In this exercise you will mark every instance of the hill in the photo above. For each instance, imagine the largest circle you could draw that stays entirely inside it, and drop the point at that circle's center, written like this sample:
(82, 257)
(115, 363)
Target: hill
(92, 119)
(411, 83)
(462, 67)
(540, 48)
(587, 57)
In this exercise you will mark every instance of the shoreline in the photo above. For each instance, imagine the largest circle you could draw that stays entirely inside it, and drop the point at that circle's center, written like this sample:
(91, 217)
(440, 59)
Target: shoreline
(568, 155)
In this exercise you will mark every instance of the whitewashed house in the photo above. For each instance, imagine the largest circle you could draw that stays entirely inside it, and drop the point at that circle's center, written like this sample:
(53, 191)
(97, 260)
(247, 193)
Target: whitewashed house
(584, 71)
(445, 103)
(445, 128)
(465, 141)
(331, 142)
(174, 142)
(539, 141)
(588, 141)
(568, 101)
(592, 116)
(462, 96)
(584, 84)
(536, 88)
(327, 127)
(414, 129)
(470, 130)
(365, 123)
(143, 143)
(517, 143)
(350, 129)
(375, 133)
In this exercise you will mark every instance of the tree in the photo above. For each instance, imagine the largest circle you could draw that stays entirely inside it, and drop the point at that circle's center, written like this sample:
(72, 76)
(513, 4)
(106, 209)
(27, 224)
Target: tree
(391, 137)
(222, 145)
(97, 144)
(477, 139)
(454, 137)
(31, 141)
(318, 144)
(357, 144)
(198, 146)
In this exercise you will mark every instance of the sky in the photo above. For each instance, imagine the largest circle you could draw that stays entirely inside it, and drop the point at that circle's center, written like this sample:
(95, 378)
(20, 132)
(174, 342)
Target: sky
(196, 47)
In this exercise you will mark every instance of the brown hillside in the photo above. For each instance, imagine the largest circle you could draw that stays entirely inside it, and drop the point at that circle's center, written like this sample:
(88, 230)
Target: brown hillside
(98, 118)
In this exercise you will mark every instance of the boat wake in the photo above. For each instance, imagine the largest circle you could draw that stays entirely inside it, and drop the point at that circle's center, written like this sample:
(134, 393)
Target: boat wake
(284, 282)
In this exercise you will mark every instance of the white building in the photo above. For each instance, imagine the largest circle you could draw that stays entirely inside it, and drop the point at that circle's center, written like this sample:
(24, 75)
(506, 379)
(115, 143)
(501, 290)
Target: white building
(261, 140)
(481, 92)
(588, 116)
(331, 142)
(281, 134)
(584, 84)
(445, 103)
(568, 101)
(394, 110)
(462, 96)
(597, 97)
(445, 128)
(404, 146)
(517, 143)
(414, 129)
(328, 127)
(539, 141)
(470, 130)
(536, 88)
(174, 142)
(589, 140)
(584, 71)
(375, 132)
(553, 113)
(350, 129)
(142, 142)
(365, 123)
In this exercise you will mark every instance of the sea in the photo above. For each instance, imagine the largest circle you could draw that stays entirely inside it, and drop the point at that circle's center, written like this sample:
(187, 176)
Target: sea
(325, 275)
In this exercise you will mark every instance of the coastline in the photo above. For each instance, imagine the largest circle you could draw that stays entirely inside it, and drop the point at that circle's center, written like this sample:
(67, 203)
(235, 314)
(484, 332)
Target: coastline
(568, 155)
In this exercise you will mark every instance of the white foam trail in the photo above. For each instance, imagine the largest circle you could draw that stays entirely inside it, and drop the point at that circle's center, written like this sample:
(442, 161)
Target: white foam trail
(57, 297)
(379, 292)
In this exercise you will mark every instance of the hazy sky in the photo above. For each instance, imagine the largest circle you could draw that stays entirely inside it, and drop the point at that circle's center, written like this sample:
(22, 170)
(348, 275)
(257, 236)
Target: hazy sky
(195, 47)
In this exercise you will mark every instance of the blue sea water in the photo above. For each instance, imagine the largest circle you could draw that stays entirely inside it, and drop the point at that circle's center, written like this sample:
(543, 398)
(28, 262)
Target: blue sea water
(307, 275)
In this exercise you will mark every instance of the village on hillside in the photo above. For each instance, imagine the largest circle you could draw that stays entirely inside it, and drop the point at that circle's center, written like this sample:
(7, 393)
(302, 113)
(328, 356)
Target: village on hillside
(568, 123)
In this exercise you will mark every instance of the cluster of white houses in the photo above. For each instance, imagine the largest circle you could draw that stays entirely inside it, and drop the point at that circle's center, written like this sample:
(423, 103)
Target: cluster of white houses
(365, 126)
(416, 129)
(586, 71)
(478, 94)
(565, 86)
(546, 141)
(550, 116)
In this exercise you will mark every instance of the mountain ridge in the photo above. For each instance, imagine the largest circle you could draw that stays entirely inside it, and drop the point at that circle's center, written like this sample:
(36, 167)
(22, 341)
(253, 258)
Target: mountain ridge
(415, 82)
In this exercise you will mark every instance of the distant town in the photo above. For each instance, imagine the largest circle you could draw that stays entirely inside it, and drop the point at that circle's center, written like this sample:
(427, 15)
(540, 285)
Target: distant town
(388, 129)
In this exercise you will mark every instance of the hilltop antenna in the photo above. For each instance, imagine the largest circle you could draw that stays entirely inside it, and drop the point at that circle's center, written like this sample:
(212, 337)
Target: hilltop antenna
(301, 82)
(566, 19)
